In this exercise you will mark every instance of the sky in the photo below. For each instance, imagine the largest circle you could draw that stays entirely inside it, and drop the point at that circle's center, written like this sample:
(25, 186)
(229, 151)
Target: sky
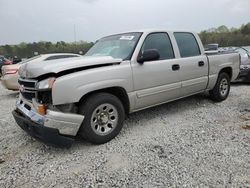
(88, 20)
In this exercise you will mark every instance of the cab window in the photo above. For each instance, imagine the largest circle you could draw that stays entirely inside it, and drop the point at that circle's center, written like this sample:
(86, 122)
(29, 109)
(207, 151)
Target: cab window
(160, 42)
(187, 44)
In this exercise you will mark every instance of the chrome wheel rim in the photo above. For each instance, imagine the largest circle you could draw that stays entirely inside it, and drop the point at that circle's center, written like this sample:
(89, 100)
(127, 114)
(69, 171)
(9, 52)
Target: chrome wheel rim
(224, 87)
(104, 119)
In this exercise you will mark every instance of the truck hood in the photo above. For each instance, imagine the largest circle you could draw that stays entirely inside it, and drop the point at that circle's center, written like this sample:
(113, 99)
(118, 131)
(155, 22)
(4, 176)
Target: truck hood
(36, 69)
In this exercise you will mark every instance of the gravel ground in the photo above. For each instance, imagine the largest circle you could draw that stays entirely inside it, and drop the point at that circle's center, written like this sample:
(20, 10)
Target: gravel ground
(192, 142)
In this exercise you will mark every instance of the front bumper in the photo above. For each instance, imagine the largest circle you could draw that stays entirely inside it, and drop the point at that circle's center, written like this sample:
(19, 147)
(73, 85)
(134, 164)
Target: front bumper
(46, 135)
(54, 128)
(244, 75)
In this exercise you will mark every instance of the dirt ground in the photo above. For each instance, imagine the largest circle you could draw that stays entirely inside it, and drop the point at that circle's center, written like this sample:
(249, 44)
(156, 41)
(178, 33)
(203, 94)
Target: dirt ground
(192, 142)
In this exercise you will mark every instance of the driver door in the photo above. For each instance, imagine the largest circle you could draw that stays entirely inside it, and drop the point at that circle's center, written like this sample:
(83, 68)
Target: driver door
(158, 81)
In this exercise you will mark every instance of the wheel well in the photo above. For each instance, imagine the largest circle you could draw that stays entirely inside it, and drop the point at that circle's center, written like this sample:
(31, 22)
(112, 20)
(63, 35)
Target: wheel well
(119, 92)
(227, 70)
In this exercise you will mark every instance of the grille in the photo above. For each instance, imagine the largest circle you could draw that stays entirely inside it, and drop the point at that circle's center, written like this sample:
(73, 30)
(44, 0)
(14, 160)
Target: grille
(27, 83)
(27, 88)
(28, 95)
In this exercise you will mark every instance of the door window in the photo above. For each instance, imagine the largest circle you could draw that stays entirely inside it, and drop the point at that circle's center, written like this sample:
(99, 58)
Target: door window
(160, 42)
(187, 44)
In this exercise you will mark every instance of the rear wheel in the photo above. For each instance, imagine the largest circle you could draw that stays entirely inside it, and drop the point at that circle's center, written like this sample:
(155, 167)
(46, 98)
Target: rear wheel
(104, 115)
(221, 89)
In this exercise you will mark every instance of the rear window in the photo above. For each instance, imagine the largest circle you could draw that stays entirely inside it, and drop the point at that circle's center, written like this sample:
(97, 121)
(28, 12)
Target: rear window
(187, 44)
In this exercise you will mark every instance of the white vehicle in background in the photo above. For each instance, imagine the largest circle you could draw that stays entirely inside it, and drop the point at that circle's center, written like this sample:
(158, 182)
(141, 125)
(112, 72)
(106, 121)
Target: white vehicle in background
(10, 72)
(244, 75)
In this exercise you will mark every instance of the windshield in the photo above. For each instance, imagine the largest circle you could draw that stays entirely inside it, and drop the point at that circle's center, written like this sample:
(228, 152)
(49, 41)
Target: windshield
(243, 53)
(247, 48)
(117, 46)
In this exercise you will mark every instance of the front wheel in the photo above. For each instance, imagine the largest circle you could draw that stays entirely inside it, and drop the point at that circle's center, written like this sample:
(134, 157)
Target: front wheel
(104, 115)
(221, 89)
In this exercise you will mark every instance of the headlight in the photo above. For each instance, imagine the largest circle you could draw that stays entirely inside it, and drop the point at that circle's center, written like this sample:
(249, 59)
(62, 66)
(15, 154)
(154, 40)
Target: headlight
(46, 84)
(245, 67)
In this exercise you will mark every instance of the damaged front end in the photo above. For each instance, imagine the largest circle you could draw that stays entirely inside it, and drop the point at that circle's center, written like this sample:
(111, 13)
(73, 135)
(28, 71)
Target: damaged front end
(34, 113)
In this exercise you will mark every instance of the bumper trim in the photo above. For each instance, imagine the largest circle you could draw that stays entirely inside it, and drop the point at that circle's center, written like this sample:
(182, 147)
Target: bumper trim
(49, 136)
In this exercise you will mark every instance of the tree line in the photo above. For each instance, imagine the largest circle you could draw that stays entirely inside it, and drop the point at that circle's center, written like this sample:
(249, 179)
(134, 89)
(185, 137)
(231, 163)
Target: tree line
(222, 35)
(26, 50)
(225, 36)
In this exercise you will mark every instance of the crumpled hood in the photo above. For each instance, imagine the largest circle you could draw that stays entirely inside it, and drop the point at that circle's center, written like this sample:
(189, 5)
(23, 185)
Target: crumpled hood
(35, 69)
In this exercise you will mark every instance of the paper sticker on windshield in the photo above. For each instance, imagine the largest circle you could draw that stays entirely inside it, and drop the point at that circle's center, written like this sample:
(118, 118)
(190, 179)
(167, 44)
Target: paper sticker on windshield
(127, 37)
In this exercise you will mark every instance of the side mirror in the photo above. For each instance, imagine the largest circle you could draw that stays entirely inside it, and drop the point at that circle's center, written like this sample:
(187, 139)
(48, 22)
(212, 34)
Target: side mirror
(149, 55)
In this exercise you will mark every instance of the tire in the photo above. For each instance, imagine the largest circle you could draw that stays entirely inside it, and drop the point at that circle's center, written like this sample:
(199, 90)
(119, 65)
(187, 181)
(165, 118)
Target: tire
(104, 115)
(221, 89)
(247, 79)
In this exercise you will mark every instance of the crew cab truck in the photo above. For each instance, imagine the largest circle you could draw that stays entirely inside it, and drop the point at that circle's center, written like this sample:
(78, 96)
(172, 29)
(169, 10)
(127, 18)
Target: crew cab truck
(121, 74)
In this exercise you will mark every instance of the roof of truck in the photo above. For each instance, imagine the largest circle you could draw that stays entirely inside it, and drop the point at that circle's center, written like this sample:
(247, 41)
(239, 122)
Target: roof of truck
(150, 31)
(159, 29)
(154, 30)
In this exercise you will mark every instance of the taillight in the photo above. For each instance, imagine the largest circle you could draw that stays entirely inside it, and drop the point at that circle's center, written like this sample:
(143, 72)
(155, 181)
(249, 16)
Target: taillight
(10, 71)
(7, 62)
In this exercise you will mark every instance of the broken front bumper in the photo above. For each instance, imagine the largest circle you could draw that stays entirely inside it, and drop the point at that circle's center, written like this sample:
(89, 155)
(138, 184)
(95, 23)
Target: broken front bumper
(47, 135)
(54, 128)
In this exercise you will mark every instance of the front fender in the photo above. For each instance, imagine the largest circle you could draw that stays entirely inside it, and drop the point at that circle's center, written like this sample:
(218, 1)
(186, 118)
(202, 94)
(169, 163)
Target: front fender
(70, 88)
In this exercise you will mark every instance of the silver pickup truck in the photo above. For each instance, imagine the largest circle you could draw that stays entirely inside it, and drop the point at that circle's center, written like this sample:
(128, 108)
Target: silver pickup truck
(121, 74)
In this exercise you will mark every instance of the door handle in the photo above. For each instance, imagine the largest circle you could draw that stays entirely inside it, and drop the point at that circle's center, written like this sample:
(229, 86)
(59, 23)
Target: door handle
(175, 67)
(201, 63)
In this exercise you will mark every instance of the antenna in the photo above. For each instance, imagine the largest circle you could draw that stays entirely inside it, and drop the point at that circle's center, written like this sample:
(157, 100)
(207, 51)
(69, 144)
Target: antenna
(75, 37)
(75, 33)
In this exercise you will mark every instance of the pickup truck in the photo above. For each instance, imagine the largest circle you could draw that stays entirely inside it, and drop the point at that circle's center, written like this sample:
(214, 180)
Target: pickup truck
(119, 75)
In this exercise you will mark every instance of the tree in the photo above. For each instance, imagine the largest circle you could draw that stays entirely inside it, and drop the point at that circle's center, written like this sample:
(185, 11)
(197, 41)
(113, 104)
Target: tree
(227, 37)
(26, 50)
(245, 29)
(222, 29)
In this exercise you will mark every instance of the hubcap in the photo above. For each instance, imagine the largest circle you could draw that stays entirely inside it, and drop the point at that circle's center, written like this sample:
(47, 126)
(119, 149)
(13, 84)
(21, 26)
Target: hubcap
(224, 87)
(104, 119)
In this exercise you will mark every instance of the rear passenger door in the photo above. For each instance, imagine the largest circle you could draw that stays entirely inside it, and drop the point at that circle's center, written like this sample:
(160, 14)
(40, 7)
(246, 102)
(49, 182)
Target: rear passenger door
(156, 82)
(193, 64)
